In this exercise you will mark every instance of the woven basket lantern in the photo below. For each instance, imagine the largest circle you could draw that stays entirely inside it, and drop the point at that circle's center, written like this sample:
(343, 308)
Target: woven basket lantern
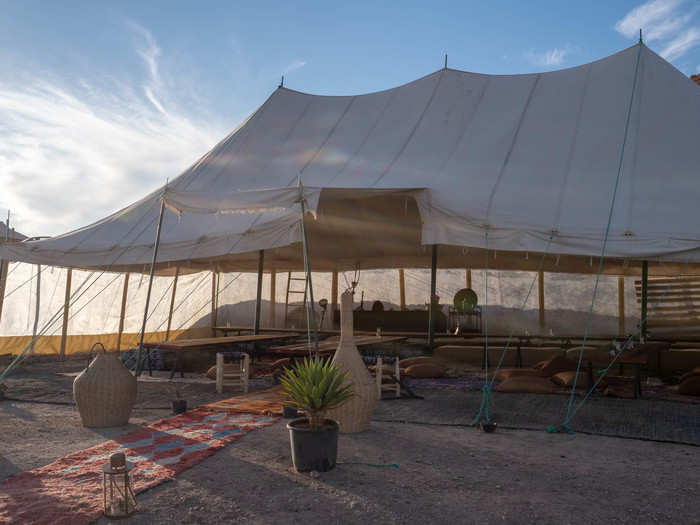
(105, 392)
(355, 414)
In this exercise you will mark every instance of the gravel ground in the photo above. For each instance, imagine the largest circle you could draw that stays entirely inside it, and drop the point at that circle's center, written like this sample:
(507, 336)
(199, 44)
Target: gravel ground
(445, 474)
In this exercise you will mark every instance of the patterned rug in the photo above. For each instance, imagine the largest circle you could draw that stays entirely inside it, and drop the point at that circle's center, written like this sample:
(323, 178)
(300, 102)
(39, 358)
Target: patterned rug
(69, 490)
(266, 402)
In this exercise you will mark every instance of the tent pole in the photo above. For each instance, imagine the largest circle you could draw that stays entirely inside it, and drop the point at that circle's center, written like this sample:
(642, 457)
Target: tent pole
(122, 314)
(645, 284)
(307, 269)
(172, 303)
(258, 295)
(214, 300)
(37, 308)
(150, 286)
(66, 305)
(621, 303)
(431, 310)
(540, 294)
(402, 289)
(4, 268)
(334, 297)
(273, 298)
(468, 276)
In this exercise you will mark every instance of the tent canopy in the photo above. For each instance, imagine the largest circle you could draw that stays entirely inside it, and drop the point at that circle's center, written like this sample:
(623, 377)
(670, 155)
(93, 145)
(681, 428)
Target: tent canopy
(532, 160)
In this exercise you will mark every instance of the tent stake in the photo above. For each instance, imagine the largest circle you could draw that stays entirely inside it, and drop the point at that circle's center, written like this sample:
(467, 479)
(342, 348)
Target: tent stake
(402, 289)
(150, 286)
(432, 311)
(258, 295)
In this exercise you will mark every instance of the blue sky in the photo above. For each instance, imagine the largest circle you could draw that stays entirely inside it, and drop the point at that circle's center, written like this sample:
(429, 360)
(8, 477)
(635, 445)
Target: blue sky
(100, 102)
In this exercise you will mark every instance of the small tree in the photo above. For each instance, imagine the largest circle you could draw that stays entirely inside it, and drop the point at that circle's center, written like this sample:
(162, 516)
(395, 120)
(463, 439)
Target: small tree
(316, 386)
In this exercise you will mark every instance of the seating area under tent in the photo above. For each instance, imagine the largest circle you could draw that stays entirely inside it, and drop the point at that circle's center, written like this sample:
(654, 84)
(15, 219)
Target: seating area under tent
(544, 174)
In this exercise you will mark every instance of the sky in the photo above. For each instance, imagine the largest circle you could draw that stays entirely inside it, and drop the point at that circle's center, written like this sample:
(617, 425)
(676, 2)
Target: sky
(101, 102)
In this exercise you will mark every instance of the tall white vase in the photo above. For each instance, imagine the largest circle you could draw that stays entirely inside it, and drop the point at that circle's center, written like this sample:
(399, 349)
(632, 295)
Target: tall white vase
(355, 414)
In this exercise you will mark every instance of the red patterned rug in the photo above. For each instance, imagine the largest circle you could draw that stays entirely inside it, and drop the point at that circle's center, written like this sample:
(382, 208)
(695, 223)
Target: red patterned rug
(69, 490)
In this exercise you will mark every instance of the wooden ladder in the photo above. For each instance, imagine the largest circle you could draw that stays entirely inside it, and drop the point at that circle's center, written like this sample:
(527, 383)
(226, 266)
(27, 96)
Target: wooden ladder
(290, 278)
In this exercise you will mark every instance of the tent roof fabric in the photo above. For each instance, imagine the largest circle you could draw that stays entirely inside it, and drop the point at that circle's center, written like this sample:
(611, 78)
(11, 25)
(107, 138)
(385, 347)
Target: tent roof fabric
(524, 157)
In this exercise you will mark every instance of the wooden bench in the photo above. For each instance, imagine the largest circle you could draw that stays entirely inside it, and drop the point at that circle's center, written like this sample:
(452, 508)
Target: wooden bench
(636, 362)
(329, 346)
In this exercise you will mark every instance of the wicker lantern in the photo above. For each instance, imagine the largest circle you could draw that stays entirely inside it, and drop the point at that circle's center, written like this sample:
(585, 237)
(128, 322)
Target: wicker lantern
(118, 495)
(355, 414)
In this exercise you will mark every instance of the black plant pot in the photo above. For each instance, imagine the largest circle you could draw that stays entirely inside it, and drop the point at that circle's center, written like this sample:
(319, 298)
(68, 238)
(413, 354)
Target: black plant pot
(179, 406)
(313, 449)
(289, 412)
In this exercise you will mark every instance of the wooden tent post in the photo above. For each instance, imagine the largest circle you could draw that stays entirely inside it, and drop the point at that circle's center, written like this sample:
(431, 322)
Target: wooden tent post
(402, 289)
(258, 294)
(122, 314)
(172, 303)
(621, 303)
(4, 268)
(273, 298)
(432, 311)
(645, 285)
(468, 277)
(66, 305)
(334, 297)
(540, 294)
(214, 300)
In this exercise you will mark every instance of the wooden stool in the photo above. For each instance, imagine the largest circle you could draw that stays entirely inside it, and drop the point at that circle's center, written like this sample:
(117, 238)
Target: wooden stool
(234, 373)
(394, 385)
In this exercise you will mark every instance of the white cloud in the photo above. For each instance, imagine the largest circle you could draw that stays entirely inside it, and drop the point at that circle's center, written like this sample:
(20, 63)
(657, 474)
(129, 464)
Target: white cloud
(72, 152)
(681, 44)
(657, 19)
(666, 21)
(293, 66)
(552, 57)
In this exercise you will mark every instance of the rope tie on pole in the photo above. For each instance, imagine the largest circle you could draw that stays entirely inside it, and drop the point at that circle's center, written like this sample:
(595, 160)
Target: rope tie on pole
(567, 418)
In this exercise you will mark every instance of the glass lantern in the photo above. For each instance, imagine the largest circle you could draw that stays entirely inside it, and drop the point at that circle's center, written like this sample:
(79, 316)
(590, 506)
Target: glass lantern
(119, 499)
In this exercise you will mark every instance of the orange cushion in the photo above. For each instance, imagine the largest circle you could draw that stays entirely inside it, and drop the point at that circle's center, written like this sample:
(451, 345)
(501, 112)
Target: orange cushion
(556, 365)
(528, 385)
(507, 373)
(405, 363)
(567, 379)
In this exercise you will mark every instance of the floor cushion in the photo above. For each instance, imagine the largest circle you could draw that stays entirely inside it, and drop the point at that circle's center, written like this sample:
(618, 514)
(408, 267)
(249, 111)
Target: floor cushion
(556, 365)
(507, 373)
(422, 370)
(405, 363)
(528, 385)
(567, 379)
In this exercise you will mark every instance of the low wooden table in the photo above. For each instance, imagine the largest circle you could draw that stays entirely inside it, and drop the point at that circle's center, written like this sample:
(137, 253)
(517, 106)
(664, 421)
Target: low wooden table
(218, 344)
(636, 362)
(329, 346)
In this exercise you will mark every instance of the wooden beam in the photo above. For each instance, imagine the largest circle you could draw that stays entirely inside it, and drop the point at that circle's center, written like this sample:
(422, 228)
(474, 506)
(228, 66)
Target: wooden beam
(402, 289)
(621, 303)
(468, 276)
(258, 294)
(334, 297)
(273, 298)
(122, 314)
(214, 299)
(540, 294)
(172, 303)
(66, 311)
(645, 284)
(4, 268)
(431, 309)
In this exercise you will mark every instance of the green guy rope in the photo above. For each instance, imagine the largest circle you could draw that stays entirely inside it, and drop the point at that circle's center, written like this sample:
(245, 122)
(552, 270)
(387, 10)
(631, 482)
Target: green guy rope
(564, 425)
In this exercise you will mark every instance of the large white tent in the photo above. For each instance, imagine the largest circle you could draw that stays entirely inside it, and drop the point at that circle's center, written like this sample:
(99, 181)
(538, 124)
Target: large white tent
(512, 163)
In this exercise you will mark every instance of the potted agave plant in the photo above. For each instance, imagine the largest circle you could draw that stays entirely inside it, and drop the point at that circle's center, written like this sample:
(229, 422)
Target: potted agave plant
(314, 386)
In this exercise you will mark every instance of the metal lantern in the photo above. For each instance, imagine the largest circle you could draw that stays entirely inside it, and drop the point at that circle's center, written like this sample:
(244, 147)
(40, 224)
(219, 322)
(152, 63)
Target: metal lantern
(119, 499)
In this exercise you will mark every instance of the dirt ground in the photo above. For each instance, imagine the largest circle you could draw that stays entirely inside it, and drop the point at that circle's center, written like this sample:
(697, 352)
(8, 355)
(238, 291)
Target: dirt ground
(445, 474)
